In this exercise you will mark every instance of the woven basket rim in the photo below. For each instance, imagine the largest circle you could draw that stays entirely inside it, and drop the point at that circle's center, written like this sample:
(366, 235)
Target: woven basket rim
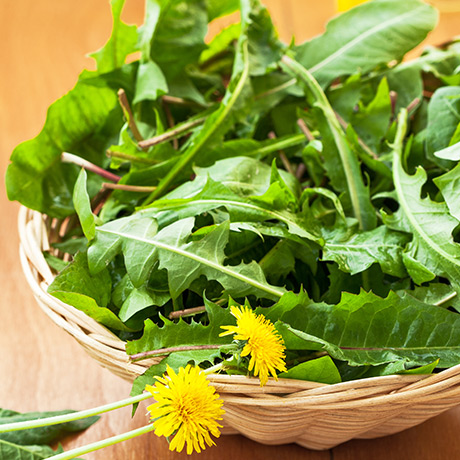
(388, 396)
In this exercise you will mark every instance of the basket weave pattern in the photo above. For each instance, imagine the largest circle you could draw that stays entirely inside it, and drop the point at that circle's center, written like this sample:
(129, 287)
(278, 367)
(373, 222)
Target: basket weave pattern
(313, 415)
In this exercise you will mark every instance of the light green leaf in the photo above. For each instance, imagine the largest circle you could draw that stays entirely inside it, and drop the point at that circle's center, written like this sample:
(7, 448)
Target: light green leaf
(82, 205)
(374, 33)
(356, 252)
(443, 119)
(122, 42)
(449, 184)
(215, 195)
(322, 370)
(432, 246)
(185, 261)
(150, 83)
(36, 177)
(86, 292)
(343, 163)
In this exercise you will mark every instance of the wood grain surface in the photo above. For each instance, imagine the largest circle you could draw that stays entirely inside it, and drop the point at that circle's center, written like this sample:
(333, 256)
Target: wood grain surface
(42, 49)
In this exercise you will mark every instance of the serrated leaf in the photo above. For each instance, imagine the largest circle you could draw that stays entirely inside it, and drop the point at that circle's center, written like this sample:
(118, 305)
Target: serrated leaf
(36, 177)
(356, 252)
(269, 206)
(432, 250)
(184, 334)
(374, 33)
(185, 261)
(122, 42)
(367, 329)
(449, 184)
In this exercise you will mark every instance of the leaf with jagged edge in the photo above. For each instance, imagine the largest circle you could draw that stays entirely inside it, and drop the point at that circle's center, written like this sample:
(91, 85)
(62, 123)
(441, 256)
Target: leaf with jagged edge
(366, 329)
(122, 42)
(432, 250)
(354, 252)
(359, 40)
(241, 209)
(185, 261)
(180, 334)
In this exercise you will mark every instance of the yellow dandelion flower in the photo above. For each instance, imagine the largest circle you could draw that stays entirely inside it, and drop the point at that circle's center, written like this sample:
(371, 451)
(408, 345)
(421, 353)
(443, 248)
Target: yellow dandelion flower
(263, 342)
(187, 407)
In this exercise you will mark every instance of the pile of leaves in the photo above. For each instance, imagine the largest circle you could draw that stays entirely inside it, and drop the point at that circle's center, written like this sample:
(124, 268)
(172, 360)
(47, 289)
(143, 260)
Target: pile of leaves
(316, 183)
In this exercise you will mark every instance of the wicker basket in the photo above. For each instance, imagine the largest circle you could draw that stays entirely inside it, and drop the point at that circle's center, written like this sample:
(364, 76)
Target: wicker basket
(313, 415)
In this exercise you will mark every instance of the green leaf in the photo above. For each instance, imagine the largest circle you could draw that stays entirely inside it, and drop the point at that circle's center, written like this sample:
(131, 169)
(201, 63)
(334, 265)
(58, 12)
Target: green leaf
(432, 250)
(150, 83)
(243, 175)
(438, 294)
(322, 370)
(80, 122)
(356, 252)
(42, 435)
(10, 451)
(82, 205)
(184, 334)
(86, 292)
(449, 184)
(359, 40)
(372, 122)
(366, 329)
(122, 42)
(443, 119)
(265, 49)
(217, 124)
(215, 195)
(178, 25)
(218, 8)
(185, 261)
(343, 162)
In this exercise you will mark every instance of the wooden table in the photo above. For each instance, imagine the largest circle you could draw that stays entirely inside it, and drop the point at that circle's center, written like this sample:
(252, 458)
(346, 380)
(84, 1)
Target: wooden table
(43, 44)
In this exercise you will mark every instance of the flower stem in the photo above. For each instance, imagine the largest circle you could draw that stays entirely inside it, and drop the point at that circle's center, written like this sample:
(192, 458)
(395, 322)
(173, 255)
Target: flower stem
(101, 444)
(72, 416)
(128, 157)
(128, 188)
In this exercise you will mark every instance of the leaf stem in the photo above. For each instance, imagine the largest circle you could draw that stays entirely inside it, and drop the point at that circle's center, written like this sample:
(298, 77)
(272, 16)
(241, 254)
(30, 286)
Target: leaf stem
(167, 351)
(122, 98)
(282, 155)
(7, 427)
(305, 129)
(103, 443)
(445, 299)
(128, 188)
(174, 133)
(128, 157)
(283, 143)
(85, 164)
(186, 312)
